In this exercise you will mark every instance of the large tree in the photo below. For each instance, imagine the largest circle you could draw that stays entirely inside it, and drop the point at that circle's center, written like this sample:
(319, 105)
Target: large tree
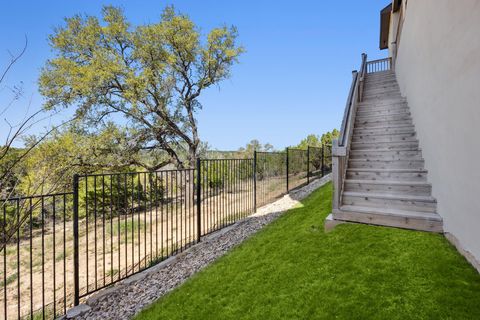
(151, 75)
(14, 132)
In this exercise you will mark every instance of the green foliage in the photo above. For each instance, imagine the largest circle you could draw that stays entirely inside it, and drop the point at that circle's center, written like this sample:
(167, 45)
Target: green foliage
(119, 194)
(318, 142)
(297, 161)
(314, 140)
(11, 179)
(151, 75)
(328, 137)
(215, 174)
(256, 145)
(50, 166)
(292, 269)
(218, 173)
(271, 165)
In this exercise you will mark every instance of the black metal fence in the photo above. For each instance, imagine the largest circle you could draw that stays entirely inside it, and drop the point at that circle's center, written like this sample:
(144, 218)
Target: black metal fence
(59, 248)
(37, 270)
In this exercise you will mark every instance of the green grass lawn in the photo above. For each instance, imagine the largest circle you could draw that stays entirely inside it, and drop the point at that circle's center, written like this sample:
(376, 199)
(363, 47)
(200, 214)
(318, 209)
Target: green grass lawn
(294, 270)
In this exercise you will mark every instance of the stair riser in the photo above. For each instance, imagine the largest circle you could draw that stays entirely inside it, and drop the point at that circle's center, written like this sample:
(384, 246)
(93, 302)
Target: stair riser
(383, 102)
(381, 74)
(393, 138)
(374, 100)
(391, 221)
(380, 79)
(377, 89)
(414, 164)
(395, 117)
(410, 145)
(384, 73)
(382, 123)
(390, 203)
(379, 136)
(387, 176)
(382, 106)
(381, 93)
(388, 130)
(382, 112)
(380, 87)
(423, 190)
(378, 165)
(385, 156)
(392, 116)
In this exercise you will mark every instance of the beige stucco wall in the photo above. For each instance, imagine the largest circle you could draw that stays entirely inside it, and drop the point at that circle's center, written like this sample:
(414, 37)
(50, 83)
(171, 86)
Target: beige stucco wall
(438, 70)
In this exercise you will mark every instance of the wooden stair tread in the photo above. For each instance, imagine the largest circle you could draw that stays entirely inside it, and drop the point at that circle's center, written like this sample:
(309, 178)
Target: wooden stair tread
(393, 212)
(388, 196)
(381, 150)
(389, 170)
(386, 160)
(390, 182)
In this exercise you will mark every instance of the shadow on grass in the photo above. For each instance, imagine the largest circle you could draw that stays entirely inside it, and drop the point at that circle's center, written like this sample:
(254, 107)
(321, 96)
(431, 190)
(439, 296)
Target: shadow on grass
(292, 269)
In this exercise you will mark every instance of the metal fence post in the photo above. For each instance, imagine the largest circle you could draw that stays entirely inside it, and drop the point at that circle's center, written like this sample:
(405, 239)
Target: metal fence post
(323, 160)
(199, 200)
(288, 189)
(308, 164)
(255, 181)
(76, 285)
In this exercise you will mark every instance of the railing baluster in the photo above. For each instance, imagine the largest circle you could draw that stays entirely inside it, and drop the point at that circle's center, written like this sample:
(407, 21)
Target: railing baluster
(103, 230)
(31, 256)
(119, 217)
(54, 259)
(4, 232)
(111, 227)
(150, 183)
(18, 258)
(144, 192)
(86, 234)
(95, 229)
(139, 226)
(162, 214)
(156, 215)
(43, 256)
(64, 255)
(133, 223)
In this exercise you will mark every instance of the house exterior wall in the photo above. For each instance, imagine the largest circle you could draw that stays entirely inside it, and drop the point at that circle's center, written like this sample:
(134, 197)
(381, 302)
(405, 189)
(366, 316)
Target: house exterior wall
(438, 70)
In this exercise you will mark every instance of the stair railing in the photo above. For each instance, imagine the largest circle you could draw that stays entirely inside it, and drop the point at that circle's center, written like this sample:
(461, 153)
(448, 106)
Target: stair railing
(379, 65)
(341, 146)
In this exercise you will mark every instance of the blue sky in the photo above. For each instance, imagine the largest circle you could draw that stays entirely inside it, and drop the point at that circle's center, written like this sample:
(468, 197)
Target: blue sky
(292, 81)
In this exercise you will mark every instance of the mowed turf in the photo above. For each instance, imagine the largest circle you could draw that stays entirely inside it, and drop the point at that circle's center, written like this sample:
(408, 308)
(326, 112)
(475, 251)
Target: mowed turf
(292, 269)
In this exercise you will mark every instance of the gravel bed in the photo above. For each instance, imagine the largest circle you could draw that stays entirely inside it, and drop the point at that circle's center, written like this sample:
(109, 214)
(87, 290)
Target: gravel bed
(128, 297)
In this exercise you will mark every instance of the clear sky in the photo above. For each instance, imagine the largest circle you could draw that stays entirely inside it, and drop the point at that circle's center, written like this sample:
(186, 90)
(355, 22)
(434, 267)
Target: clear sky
(292, 81)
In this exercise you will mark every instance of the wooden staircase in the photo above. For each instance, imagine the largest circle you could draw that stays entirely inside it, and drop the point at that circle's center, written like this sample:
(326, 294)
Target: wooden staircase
(384, 180)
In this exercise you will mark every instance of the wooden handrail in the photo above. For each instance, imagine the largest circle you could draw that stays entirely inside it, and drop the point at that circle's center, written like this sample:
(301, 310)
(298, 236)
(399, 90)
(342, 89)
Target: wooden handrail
(353, 97)
(341, 146)
(346, 113)
(378, 60)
